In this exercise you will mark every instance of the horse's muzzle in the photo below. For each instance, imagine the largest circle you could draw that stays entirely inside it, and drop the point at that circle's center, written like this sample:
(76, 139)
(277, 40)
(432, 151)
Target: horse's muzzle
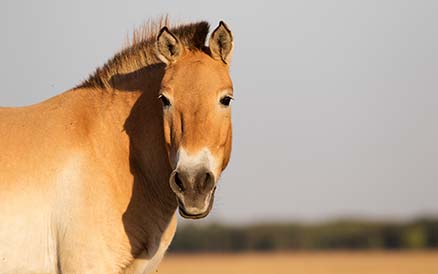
(194, 190)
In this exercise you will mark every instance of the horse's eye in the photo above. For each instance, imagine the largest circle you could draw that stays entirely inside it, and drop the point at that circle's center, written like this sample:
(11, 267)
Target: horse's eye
(226, 100)
(164, 100)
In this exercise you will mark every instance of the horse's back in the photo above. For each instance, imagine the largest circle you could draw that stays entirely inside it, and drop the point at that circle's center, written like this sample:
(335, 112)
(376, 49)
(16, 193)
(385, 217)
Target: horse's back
(34, 140)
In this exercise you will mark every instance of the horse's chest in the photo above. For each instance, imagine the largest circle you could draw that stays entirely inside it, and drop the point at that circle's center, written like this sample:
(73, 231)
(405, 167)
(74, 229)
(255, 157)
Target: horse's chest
(146, 263)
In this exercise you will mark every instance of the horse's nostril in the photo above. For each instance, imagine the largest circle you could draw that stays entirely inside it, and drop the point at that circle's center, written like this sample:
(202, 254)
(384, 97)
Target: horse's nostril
(208, 181)
(207, 176)
(178, 182)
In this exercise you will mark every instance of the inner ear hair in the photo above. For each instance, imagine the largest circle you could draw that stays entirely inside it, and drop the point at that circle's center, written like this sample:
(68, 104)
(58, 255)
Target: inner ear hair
(221, 43)
(168, 46)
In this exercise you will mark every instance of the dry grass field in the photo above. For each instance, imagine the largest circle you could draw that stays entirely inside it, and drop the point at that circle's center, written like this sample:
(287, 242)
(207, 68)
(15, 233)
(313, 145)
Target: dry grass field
(304, 263)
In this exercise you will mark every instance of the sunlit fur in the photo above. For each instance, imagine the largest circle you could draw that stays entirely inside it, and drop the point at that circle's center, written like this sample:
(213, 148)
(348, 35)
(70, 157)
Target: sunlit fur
(84, 177)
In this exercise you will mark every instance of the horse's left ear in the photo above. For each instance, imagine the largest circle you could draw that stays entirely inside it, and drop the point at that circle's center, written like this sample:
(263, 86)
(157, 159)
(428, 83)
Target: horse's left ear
(168, 46)
(221, 43)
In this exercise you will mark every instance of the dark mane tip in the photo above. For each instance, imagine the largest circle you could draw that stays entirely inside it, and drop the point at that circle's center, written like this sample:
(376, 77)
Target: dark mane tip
(140, 51)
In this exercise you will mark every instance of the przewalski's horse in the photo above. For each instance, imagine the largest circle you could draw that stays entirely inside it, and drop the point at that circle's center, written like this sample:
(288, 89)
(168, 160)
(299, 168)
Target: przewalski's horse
(90, 180)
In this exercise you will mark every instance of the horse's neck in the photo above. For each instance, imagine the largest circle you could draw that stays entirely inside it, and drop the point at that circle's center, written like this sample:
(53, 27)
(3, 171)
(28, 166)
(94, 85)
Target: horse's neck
(144, 127)
(135, 116)
(148, 155)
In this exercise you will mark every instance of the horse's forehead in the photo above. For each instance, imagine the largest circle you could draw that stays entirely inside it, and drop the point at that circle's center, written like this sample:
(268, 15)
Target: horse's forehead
(201, 71)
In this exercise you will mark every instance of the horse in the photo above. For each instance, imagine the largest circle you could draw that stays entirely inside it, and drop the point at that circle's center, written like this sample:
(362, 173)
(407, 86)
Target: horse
(92, 180)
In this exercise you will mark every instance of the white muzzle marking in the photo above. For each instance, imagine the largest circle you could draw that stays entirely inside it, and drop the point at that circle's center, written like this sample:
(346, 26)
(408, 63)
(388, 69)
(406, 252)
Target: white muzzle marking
(202, 159)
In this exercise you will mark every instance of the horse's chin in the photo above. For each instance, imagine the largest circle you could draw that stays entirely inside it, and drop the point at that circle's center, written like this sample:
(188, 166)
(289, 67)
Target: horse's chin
(190, 216)
(187, 215)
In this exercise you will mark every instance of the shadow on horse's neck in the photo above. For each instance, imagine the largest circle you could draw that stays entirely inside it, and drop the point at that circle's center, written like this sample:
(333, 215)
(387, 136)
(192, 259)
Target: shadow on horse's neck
(144, 124)
(153, 203)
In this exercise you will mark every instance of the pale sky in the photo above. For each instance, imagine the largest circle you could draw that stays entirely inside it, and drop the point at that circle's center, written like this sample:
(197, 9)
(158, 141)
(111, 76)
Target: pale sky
(336, 110)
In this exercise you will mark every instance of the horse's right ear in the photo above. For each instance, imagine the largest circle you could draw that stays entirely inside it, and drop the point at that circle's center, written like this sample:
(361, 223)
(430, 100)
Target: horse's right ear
(221, 43)
(168, 46)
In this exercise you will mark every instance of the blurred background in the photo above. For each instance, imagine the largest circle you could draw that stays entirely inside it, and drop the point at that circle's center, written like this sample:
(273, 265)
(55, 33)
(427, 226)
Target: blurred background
(335, 124)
